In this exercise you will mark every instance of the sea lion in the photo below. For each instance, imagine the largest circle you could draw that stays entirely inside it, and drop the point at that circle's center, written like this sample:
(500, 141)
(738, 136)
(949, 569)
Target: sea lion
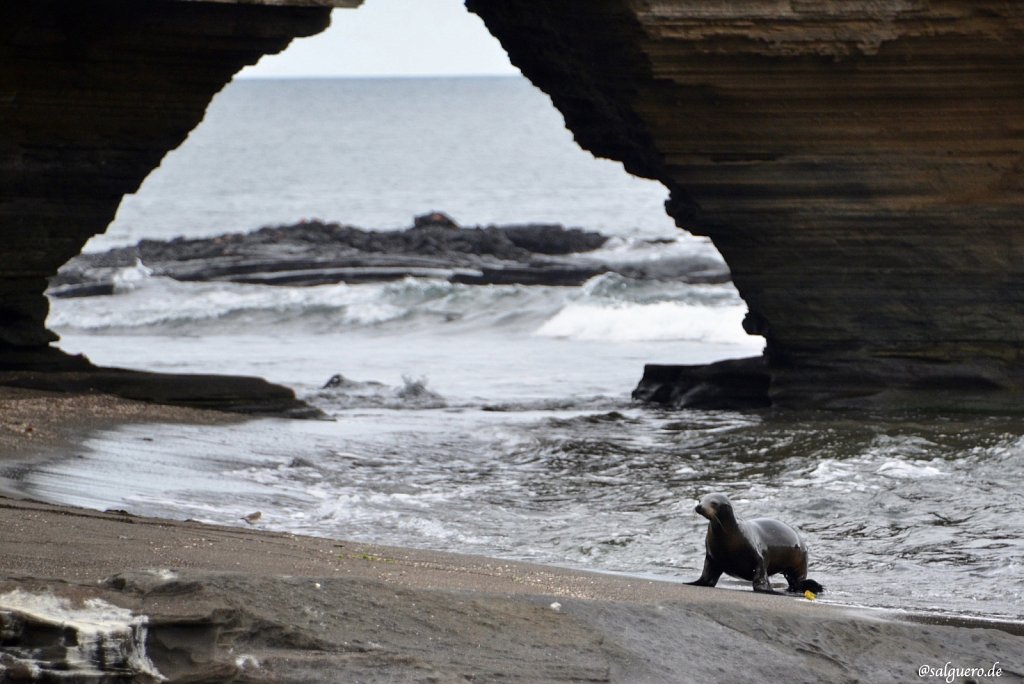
(752, 550)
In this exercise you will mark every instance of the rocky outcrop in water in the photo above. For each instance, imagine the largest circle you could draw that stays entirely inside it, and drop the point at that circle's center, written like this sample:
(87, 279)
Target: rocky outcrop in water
(315, 253)
(736, 384)
(860, 166)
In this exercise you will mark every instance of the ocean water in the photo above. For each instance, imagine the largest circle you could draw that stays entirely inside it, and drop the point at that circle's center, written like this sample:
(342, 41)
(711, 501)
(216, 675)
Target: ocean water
(497, 419)
(374, 153)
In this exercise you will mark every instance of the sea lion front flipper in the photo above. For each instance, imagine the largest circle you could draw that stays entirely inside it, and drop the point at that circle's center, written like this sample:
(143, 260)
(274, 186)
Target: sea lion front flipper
(761, 583)
(709, 576)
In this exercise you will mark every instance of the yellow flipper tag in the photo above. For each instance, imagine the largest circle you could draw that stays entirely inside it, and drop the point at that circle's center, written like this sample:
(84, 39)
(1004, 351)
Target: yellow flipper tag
(810, 595)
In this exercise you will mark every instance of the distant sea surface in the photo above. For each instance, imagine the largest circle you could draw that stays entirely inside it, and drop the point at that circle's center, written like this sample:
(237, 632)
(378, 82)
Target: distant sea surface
(497, 419)
(375, 152)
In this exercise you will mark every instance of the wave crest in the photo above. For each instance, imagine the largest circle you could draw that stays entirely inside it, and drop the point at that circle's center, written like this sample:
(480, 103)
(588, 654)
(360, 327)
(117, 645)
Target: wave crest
(609, 307)
(649, 322)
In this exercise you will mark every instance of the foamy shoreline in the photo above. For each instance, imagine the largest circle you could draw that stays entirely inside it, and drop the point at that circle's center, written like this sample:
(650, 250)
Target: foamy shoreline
(226, 603)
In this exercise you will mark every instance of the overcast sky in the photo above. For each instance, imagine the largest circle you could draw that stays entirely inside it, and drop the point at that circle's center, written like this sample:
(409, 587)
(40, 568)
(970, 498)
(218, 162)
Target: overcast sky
(393, 38)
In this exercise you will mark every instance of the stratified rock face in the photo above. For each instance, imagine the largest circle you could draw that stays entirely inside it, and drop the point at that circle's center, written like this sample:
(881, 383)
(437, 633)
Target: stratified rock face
(92, 95)
(860, 165)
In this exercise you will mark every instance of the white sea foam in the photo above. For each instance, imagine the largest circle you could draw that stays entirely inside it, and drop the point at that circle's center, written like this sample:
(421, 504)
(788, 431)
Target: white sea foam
(622, 250)
(250, 662)
(160, 302)
(835, 475)
(131, 277)
(905, 470)
(653, 322)
(606, 308)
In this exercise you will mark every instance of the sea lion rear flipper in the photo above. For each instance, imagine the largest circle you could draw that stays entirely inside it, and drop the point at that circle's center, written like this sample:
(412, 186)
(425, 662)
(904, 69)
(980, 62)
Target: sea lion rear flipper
(765, 588)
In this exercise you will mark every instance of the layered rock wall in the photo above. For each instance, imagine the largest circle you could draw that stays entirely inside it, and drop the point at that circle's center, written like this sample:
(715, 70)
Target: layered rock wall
(859, 164)
(92, 95)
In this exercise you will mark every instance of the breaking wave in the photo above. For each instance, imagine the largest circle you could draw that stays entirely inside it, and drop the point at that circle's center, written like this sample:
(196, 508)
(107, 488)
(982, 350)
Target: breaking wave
(659, 321)
(341, 392)
(609, 307)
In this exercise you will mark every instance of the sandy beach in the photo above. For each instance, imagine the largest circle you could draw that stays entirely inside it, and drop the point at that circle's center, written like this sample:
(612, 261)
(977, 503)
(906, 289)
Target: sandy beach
(34, 420)
(242, 604)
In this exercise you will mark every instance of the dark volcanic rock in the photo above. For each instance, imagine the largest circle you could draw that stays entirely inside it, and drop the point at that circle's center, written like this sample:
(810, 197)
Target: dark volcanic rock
(543, 240)
(860, 166)
(314, 253)
(730, 385)
(50, 369)
(92, 95)
(235, 394)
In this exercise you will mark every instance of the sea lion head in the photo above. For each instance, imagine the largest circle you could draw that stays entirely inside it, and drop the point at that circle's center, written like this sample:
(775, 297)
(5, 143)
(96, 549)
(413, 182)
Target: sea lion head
(716, 508)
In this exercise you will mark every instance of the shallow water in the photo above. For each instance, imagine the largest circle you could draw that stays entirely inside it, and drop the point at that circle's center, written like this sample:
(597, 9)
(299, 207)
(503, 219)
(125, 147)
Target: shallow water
(908, 512)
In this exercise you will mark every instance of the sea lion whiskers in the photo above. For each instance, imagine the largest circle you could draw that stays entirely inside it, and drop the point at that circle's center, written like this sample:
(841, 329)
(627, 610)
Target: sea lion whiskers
(717, 508)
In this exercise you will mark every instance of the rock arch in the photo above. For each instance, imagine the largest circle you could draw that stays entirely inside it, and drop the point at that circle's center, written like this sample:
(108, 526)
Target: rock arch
(859, 164)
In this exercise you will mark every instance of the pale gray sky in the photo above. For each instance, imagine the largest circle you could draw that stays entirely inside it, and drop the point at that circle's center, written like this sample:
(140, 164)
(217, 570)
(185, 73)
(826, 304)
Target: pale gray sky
(393, 38)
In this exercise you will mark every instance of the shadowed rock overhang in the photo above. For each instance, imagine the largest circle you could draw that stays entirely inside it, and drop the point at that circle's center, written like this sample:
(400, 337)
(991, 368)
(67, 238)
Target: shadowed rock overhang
(859, 164)
(92, 95)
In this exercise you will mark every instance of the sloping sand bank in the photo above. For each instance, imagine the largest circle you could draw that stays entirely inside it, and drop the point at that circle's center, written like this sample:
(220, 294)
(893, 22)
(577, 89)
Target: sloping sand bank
(227, 604)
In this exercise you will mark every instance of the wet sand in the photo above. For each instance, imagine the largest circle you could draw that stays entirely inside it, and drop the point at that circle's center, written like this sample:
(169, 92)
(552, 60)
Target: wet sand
(239, 604)
(35, 420)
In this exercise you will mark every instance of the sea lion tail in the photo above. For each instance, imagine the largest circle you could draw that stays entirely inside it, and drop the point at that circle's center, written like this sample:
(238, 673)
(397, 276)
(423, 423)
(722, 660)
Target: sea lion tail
(811, 586)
